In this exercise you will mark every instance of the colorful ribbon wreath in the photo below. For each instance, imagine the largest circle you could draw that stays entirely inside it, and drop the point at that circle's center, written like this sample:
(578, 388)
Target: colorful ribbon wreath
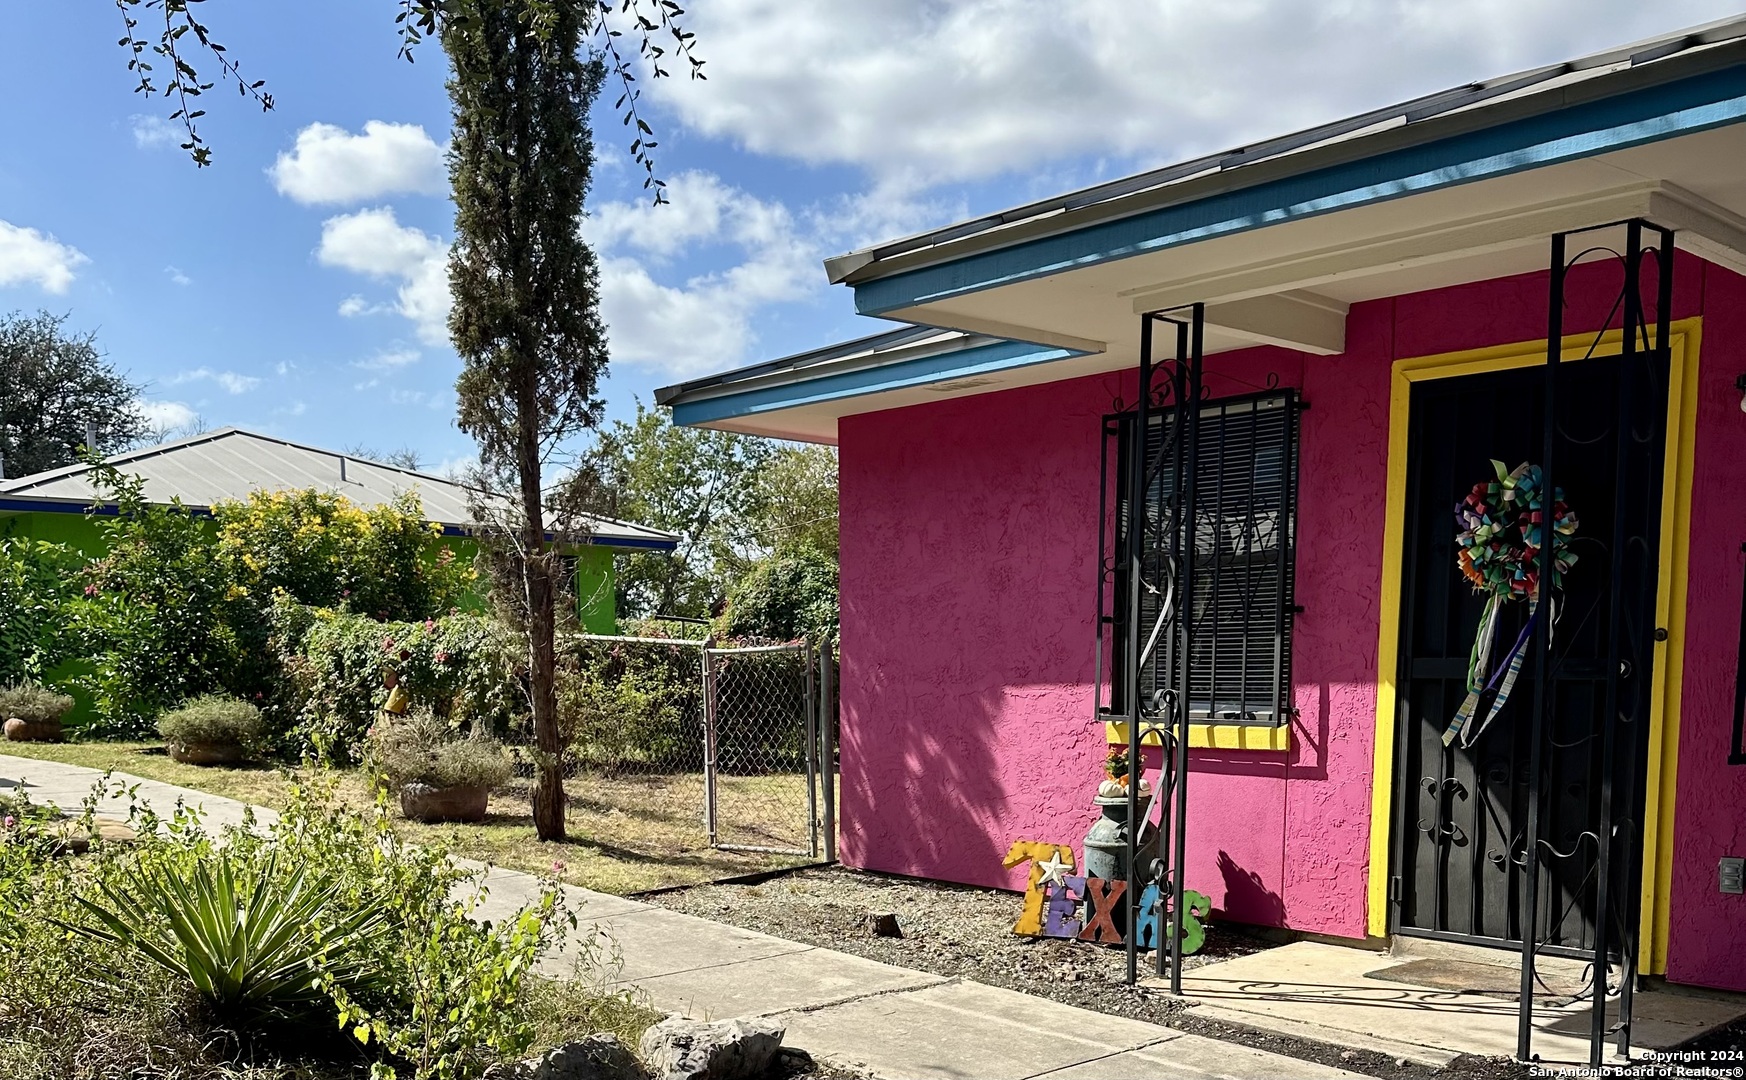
(1502, 525)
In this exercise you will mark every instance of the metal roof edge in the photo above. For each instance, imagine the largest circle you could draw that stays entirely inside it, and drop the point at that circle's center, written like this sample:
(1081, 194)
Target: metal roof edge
(922, 368)
(1428, 119)
(879, 350)
(886, 339)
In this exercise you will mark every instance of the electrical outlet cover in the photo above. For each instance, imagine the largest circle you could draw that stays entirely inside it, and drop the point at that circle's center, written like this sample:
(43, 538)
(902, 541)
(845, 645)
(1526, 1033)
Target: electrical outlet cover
(1733, 876)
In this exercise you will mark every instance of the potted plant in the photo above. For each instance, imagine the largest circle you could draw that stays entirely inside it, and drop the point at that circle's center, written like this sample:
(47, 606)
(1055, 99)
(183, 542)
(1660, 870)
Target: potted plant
(33, 713)
(212, 730)
(439, 775)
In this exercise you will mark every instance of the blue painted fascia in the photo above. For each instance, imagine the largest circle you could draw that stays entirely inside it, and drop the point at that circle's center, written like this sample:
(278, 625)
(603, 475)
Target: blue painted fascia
(941, 367)
(36, 506)
(1628, 119)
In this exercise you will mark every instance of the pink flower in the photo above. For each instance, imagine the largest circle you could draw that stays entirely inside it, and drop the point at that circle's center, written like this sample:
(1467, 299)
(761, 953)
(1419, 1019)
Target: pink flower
(557, 866)
(10, 821)
(91, 590)
(344, 593)
(442, 657)
(429, 625)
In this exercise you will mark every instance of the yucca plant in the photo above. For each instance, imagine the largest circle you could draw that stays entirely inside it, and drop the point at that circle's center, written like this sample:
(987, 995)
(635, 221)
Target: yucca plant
(255, 940)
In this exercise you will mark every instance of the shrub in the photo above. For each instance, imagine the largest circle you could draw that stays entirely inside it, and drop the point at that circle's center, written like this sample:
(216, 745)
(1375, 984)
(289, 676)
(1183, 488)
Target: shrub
(255, 939)
(422, 749)
(464, 668)
(36, 582)
(213, 718)
(791, 594)
(403, 972)
(631, 704)
(33, 703)
(155, 618)
(320, 548)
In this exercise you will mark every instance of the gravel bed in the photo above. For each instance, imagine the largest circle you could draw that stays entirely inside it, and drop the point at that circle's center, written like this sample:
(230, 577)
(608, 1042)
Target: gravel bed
(966, 932)
(950, 930)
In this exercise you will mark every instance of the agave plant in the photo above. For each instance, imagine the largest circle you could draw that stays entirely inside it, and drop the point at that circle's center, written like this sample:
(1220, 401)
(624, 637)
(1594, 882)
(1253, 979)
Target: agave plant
(251, 938)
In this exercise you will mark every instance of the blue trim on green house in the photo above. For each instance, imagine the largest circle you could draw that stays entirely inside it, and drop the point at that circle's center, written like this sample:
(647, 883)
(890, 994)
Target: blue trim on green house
(942, 367)
(71, 506)
(1624, 120)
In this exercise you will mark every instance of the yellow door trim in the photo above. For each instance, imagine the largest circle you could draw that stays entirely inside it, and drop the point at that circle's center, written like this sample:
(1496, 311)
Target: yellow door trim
(1685, 336)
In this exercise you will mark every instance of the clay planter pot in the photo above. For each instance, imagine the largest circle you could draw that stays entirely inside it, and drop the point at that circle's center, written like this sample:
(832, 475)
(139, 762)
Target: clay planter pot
(422, 802)
(18, 730)
(207, 753)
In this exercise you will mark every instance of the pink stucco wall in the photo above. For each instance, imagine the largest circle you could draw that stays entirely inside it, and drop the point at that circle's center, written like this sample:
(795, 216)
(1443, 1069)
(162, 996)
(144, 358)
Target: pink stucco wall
(969, 539)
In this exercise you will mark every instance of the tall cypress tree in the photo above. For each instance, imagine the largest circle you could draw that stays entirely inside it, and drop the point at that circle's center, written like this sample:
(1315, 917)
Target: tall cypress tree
(525, 319)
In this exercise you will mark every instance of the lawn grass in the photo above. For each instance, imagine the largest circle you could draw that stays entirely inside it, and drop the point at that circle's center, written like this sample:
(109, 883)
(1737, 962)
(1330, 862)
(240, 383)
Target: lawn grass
(626, 833)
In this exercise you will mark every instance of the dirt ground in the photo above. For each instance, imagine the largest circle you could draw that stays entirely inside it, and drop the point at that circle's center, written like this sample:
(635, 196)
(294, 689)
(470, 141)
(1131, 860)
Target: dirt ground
(966, 932)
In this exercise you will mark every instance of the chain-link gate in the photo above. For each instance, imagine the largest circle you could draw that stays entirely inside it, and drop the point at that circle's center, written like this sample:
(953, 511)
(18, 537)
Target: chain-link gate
(732, 734)
(760, 748)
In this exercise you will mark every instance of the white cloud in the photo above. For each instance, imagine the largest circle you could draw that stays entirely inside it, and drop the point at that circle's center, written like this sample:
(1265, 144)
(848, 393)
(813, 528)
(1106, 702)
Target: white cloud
(389, 360)
(167, 416)
(231, 381)
(417, 397)
(177, 277)
(27, 255)
(296, 408)
(918, 92)
(331, 165)
(766, 255)
(374, 243)
(151, 131)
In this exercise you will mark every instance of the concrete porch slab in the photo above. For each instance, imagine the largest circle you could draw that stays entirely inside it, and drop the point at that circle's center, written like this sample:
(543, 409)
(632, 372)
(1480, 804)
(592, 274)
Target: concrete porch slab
(1307, 987)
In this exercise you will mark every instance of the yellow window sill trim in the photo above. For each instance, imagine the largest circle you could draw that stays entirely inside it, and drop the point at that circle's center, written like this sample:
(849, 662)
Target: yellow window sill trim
(1212, 736)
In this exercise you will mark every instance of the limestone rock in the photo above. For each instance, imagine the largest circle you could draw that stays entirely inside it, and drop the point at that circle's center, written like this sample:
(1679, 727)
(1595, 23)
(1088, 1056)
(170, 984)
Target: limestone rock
(680, 1049)
(598, 1057)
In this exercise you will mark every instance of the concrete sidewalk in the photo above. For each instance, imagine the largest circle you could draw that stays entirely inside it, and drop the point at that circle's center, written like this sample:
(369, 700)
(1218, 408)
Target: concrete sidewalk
(897, 1023)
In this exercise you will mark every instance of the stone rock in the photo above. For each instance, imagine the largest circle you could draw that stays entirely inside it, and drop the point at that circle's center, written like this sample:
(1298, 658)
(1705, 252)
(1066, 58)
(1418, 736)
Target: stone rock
(598, 1057)
(680, 1049)
(884, 924)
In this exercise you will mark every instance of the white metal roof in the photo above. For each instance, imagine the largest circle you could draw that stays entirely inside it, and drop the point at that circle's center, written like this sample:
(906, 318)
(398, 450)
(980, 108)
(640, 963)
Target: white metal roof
(230, 463)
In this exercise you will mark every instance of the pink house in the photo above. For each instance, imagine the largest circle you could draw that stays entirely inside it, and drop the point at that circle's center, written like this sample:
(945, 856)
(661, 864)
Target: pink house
(1376, 302)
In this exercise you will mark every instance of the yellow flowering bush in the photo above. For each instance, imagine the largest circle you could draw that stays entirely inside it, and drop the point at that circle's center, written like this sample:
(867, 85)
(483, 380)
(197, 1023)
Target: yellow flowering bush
(320, 548)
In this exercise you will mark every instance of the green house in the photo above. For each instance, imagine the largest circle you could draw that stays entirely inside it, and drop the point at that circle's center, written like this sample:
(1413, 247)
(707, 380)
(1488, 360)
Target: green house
(230, 463)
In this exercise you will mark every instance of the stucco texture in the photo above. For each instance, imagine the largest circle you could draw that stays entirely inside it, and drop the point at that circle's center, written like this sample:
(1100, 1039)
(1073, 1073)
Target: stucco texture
(969, 550)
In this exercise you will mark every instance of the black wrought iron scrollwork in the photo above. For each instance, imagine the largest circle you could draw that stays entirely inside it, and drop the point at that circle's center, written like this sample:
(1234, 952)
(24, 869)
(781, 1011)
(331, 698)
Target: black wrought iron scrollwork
(1641, 313)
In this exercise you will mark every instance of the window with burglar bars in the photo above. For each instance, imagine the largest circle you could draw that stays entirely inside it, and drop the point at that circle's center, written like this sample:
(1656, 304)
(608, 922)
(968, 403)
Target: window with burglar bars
(1245, 532)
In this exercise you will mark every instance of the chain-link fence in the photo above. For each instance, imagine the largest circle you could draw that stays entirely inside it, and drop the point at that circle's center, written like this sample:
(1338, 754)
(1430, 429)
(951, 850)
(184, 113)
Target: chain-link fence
(761, 748)
(675, 729)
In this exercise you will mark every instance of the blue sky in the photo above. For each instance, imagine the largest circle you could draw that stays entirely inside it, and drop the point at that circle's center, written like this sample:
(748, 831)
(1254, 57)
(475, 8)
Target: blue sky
(296, 287)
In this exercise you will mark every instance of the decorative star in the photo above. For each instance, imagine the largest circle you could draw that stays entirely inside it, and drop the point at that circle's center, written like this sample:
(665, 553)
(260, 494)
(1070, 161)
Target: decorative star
(1054, 871)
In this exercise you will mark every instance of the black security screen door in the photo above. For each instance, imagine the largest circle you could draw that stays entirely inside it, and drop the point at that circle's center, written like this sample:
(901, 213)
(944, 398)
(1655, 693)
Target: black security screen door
(1461, 812)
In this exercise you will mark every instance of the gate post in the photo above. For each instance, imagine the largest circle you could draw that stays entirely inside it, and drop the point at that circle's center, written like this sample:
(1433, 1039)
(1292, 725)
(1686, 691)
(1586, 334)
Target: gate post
(827, 750)
(709, 734)
(812, 712)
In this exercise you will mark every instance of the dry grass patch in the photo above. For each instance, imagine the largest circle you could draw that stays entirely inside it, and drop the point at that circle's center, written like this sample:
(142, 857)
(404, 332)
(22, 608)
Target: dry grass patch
(626, 834)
